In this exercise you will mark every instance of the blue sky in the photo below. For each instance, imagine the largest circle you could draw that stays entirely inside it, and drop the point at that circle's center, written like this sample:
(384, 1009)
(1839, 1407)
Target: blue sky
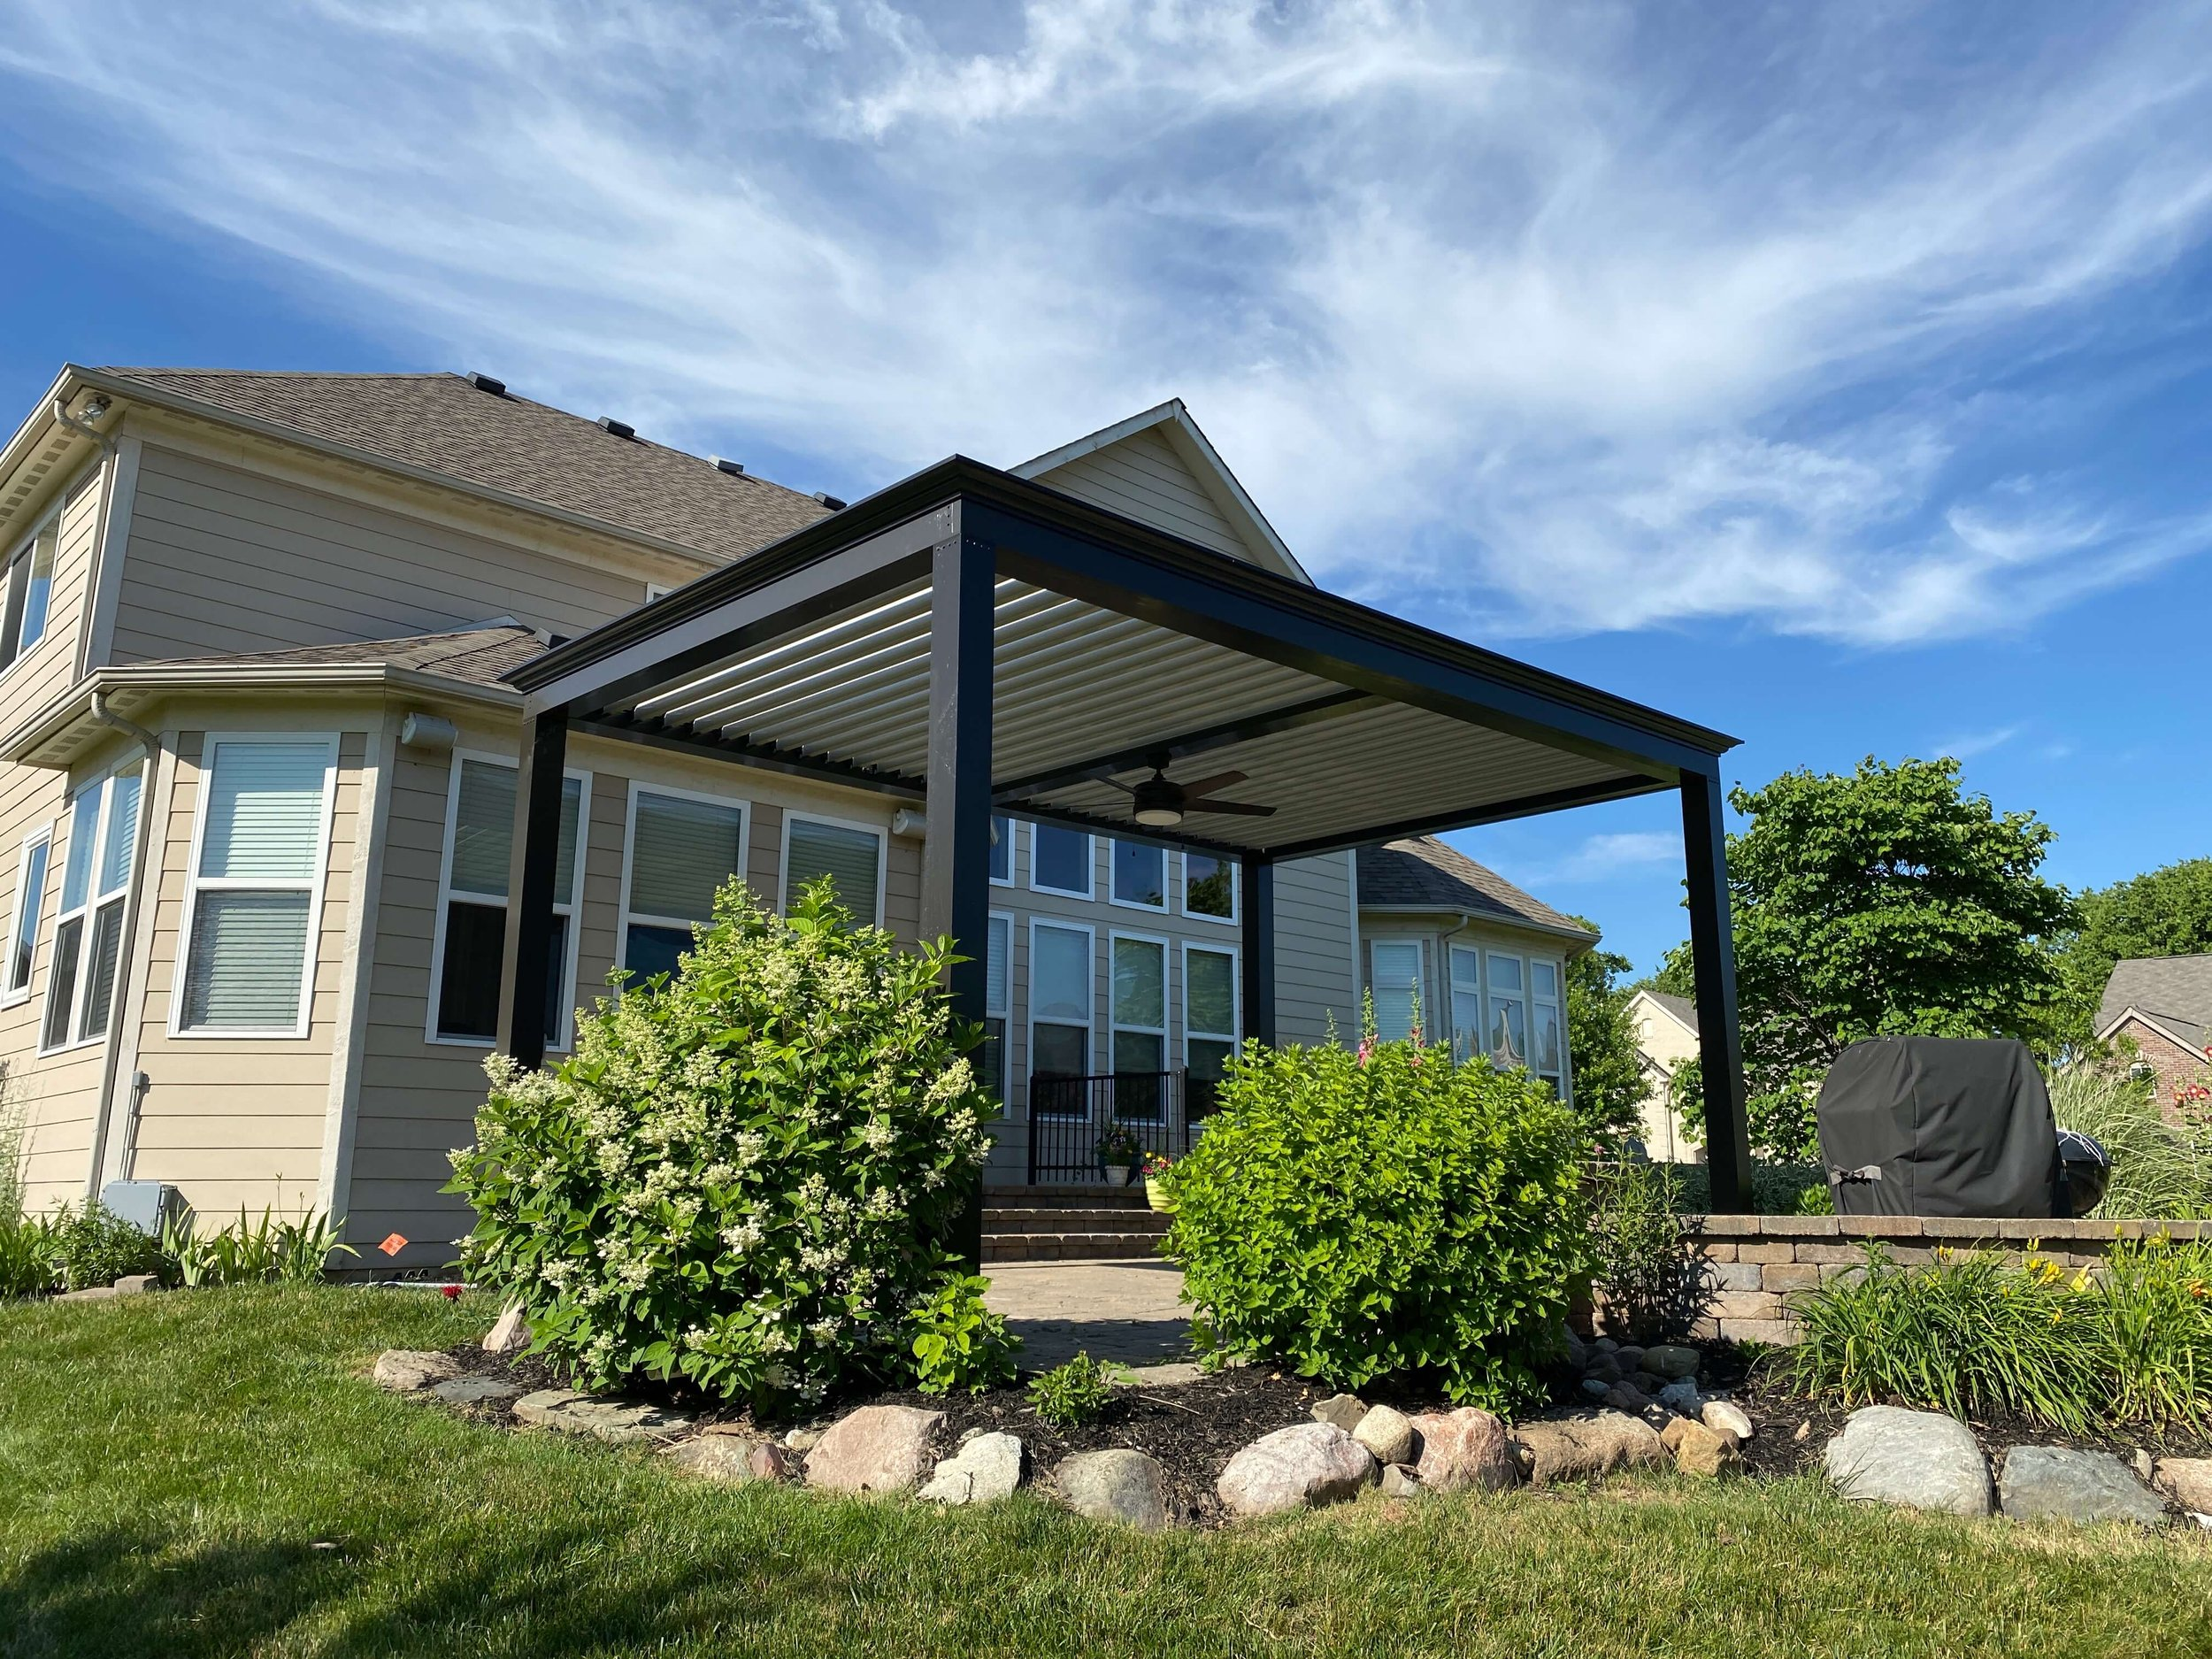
(1837, 376)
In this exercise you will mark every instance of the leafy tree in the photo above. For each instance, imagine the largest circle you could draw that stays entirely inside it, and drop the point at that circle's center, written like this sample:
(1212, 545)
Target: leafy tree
(1608, 1071)
(2161, 913)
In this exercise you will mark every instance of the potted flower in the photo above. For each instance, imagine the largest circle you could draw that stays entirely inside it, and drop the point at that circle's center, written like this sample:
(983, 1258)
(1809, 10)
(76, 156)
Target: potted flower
(1119, 1150)
(1157, 1192)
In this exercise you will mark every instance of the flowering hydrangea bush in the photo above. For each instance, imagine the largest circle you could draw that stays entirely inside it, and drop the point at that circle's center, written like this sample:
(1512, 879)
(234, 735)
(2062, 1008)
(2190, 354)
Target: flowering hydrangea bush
(739, 1175)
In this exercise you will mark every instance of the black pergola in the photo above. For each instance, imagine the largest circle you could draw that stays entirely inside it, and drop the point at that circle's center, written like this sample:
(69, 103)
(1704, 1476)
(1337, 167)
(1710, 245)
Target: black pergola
(970, 642)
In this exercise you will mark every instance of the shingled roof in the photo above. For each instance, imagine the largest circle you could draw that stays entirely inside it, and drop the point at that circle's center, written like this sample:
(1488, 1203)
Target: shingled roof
(1425, 874)
(481, 655)
(443, 424)
(2175, 991)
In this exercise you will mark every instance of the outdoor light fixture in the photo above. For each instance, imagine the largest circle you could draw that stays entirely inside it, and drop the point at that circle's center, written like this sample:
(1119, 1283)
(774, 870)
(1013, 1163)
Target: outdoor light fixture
(1159, 802)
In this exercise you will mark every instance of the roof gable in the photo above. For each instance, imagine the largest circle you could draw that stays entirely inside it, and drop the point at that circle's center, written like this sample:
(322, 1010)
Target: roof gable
(1158, 468)
(1425, 874)
(2172, 989)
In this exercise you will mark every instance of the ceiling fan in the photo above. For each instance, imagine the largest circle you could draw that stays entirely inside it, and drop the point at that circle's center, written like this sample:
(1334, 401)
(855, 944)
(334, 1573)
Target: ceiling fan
(1161, 804)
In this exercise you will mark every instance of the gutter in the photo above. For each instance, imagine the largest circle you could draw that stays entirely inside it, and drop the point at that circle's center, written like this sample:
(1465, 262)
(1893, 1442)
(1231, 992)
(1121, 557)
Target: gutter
(126, 953)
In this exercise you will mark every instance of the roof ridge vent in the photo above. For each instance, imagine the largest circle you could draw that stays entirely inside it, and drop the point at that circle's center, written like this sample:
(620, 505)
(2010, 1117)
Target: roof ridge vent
(830, 502)
(723, 463)
(497, 386)
(620, 428)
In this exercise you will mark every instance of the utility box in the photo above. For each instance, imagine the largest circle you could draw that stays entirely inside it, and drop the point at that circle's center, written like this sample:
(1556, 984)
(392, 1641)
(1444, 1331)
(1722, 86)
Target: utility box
(149, 1206)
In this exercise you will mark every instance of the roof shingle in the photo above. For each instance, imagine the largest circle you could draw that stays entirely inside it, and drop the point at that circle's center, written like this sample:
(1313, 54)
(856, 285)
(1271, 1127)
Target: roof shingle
(2176, 991)
(1425, 874)
(481, 655)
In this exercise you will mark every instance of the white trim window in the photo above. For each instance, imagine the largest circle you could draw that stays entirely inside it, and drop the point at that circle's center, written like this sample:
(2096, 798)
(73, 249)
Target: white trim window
(1059, 860)
(260, 841)
(1547, 1037)
(998, 1004)
(1466, 974)
(1002, 850)
(31, 864)
(1210, 1021)
(851, 854)
(470, 946)
(679, 847)
(1394, 981)
(1209, 886)
(88, 928)
(1139, 1012)
(1139, 881)
(1505, 1033)
(1060, 1005)
(29, 597)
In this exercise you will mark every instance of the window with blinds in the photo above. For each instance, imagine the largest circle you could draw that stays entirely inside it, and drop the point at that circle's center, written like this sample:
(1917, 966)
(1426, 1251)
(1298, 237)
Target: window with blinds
(264, 808)
(472, 924)
(850, 855)
(88, 933)
(682, 848)
(1394, 980)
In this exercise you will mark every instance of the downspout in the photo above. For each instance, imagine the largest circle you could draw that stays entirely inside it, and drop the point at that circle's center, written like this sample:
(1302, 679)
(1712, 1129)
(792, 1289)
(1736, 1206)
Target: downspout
(127, 954)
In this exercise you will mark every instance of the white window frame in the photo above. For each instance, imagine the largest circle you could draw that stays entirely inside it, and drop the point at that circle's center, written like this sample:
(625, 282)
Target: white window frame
(1236, 882)
(1090, 863)
(94, 902)
(1090, 1003)
(1452, 953)
(27, 549)
(880, 831)
(44, 832)
(1114, 1023)
(624, 915)
(1235, 1039)
(1557, 1004)
(1167, 879)
(1002, 1013)
(1013, 828)
(195, 883)
(560, 1040)
(1491, 995)
(1420, 969)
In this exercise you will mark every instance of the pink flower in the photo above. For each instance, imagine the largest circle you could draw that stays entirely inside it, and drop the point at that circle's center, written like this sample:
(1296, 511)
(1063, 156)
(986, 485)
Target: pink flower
(1366, 1049)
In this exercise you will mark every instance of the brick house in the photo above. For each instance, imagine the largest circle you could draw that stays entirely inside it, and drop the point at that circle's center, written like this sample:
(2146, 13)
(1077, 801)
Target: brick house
(2163, 1006)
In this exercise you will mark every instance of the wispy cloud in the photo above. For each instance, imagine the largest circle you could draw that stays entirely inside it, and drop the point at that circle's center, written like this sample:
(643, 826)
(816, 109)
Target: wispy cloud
(1544, 320)
(1603, 857)
(1968, 745)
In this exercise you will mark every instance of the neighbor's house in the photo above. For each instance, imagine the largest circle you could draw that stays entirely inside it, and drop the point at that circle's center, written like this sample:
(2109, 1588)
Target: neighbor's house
(1666, 1036)
(256, 763)
(2163, 1006)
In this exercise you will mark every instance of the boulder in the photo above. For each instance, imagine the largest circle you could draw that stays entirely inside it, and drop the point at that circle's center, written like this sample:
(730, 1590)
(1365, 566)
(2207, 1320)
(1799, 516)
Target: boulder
(1699, 1450)
(877, 1448)
(1683, 1397)
(1596, 1388)
(137, 1283)
(1120, 1485)
(1588, 1447)
(2186, 1480)
(2059, 1483)
(1624, 1396)
(988, 1468)
(404, 1370)
(620, 1423)
(1604, 1345)
(510, 1333)
(1673, 1361)
(1400, 1481)
(1300, 1467)
(1388, 1435)
(1913, 1460)
(1671, 1436)
(729, 1458)
(804, 1440)
(1343, 1410)
(1604, 1368)
(1466, 1448)
(1724, 1416)
(1631, 1358)
(473, 1391)
(95, 1292)
(1574, 1353)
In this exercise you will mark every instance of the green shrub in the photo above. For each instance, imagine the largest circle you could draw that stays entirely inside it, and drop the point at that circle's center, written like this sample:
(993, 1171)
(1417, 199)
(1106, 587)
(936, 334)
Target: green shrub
(1353, 1216)
(739, 1175)
(267, 1251)
(93, 1246)
(28, 1267)
(960, 1343)
(1637, 1258)
(1075, 1395)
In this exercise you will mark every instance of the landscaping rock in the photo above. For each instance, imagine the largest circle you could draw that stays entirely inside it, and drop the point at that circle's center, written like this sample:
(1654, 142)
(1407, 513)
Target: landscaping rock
(1466, 1448)
(1605, 1345)
(1120, 1485)
(473, 1391)
(1588, 1447)
(509, 1333)
(96, 1293)
(1725, 1417)
(877, 1448)
(1300, 1467)
(1683, 1397)
(1631, 1358)
(404, 1370)
(1596, 1388)
(2059, 1483)
(1699, 1450)
(1400, 1481)
(1388, 1433)
(1913, 1460)
(1575, 1353)
(803, 1440)
(137, 1283)
(1624, 1396)
(729, 1458)
(2186, 1480)
(1647, 1384)
(989, 1467)
(566, 1411)
(1343, 1410)
(1672, 1360)
(1671, 1436)
(1604, 1368)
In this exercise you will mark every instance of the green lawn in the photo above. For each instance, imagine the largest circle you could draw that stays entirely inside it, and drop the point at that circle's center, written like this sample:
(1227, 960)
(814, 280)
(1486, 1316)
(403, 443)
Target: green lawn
(204, 1472)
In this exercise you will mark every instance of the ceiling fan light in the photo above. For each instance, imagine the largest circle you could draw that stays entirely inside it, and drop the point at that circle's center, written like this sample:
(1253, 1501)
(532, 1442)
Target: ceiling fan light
(1158, 803)
(1159, 816)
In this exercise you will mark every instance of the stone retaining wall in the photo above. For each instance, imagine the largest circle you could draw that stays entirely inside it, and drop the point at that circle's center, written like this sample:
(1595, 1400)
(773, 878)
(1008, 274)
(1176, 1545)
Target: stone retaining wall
(1750, 1264)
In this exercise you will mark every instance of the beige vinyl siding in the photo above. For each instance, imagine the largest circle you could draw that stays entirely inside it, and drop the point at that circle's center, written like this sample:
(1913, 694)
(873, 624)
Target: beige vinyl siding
(1316, 950)
(221, 560)
(240, 1120)
(1142, 478)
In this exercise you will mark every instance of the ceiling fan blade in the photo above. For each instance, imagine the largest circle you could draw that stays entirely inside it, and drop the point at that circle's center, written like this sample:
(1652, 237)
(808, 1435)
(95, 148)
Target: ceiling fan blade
(1197, 786)
(1234, 808)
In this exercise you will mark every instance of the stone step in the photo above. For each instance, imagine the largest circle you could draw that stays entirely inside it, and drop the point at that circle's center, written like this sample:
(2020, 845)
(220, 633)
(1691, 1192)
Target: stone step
(1070, 1247)
(1147, 1221)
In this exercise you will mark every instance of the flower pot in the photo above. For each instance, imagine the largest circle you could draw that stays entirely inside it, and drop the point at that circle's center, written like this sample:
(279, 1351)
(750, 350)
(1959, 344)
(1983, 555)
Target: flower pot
(1156, 1194)
(1116, 1174)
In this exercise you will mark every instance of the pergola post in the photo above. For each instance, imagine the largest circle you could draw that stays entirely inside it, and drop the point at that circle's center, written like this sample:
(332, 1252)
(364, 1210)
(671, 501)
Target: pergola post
(1255, 910)
(1712, 948)
(957, 854)
(527, 958)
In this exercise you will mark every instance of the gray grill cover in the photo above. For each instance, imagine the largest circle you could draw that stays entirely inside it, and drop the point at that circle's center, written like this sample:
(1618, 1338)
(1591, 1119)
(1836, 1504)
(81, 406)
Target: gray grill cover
(1939, 1126)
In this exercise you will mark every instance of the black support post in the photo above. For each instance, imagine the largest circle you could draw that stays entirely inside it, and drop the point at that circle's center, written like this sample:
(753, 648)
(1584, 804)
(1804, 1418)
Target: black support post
(957, 855)
(1255, 910)
(1712, 945)
(527, 956)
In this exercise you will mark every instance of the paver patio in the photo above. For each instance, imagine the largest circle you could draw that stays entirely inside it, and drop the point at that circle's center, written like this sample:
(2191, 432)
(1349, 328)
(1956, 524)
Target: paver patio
(1125, 1311)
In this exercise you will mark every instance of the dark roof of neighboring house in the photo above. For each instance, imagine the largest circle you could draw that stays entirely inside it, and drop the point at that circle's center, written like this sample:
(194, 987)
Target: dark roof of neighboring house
(482, 656)
(1425, 874)
(443, 424)
(1681, 1007)
(2175, 991)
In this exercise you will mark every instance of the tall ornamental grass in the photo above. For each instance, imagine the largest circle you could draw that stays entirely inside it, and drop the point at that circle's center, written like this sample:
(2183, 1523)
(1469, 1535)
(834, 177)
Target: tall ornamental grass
(2161, 1170)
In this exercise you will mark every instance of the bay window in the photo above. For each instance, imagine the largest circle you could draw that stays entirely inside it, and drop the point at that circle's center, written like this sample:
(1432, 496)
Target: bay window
(1394, 981)
(89, 932)
(850, 855)
(1507, 1039)
(1467, 1041)
(680, 849)
(1545, 1047)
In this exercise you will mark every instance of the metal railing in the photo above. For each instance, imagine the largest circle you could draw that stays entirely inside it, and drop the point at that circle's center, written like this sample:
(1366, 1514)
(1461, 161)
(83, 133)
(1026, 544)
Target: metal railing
(1067, 1115)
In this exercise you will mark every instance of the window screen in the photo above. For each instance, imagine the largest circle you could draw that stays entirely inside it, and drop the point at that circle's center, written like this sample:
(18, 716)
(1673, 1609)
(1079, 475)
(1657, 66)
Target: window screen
(1396, 984)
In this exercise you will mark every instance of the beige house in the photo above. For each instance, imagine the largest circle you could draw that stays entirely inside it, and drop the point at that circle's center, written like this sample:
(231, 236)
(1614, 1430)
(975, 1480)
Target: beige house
(1666, 1036)
(258, 769)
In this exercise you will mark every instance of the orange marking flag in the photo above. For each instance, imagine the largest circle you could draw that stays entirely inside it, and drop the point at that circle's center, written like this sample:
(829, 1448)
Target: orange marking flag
(394, 1244)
